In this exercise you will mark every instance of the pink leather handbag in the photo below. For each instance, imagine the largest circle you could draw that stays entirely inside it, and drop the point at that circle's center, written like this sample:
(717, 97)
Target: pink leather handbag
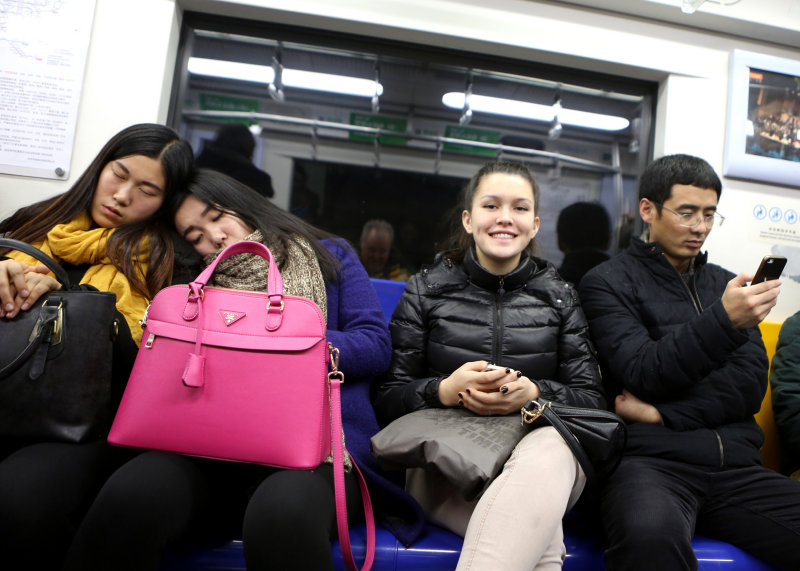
(241, 376)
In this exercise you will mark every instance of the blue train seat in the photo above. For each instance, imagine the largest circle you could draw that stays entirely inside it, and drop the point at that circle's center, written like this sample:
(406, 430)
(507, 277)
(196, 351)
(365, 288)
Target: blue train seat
(438, 549)
(389, 293)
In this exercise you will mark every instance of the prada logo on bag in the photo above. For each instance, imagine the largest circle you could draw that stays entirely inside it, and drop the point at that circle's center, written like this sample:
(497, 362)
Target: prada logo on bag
(230, 317)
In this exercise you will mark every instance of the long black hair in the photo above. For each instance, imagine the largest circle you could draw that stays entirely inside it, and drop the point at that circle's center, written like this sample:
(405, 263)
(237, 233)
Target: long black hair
(278, 226)
(32, 223)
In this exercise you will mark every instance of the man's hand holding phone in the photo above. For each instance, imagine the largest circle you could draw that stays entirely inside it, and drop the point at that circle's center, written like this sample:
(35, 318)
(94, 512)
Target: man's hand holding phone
(748, 306)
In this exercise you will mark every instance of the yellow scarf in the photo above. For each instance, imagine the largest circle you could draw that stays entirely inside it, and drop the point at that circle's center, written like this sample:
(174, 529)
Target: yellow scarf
(76, 242)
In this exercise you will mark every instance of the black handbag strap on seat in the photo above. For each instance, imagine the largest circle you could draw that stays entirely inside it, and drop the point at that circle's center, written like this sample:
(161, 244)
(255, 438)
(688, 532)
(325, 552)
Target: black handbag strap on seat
(543, 410)
(572, 442)
(51, 264)
(563, 430)
(48, 315)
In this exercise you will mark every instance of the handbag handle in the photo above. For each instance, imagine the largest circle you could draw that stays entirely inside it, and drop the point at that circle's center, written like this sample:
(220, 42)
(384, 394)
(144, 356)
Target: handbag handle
(274, 280)
(51, 264)
(48, 316)
(274, 285)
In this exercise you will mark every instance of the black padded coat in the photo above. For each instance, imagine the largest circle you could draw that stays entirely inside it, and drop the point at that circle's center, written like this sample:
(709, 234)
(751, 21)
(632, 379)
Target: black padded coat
(529, 320)
(680, 354)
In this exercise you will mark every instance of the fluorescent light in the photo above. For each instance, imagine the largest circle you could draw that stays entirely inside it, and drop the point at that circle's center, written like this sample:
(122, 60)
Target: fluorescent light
(291, 77)
(329, 82)
(535, 111)
(231, 70)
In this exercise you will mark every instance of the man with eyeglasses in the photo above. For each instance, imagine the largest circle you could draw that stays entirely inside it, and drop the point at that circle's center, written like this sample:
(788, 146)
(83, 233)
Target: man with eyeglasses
(679, 345)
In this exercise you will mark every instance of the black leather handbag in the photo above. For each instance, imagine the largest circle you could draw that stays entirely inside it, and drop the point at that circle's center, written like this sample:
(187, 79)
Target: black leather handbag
(56, 361)
(596, 437)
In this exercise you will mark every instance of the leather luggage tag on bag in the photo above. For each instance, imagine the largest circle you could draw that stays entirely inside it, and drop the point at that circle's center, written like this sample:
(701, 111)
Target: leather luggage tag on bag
(230, 317)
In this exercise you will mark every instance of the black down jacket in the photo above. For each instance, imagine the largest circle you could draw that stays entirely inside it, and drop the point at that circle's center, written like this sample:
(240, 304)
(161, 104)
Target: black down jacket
(529, 320)
(679, 354)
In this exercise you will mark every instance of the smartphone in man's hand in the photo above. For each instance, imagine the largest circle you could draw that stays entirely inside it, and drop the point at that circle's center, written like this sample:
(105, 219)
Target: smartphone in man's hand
(770, 268)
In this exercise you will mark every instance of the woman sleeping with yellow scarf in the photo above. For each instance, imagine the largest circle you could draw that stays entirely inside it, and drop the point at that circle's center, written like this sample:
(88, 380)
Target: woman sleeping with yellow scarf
(109, 229)
(109, 220)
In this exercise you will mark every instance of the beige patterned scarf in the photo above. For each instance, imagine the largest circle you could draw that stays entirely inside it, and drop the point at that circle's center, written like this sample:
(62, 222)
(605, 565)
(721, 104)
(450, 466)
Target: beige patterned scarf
(301, 274)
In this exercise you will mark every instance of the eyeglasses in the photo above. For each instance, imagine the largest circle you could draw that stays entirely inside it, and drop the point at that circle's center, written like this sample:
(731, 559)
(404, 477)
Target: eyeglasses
(692, 219)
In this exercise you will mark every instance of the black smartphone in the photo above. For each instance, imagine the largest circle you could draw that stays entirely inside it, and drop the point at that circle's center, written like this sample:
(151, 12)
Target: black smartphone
(770, 268)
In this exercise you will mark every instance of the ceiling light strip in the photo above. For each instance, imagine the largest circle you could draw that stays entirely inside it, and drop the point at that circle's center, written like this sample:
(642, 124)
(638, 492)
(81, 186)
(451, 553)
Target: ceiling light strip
(297, 78)
(535, 111)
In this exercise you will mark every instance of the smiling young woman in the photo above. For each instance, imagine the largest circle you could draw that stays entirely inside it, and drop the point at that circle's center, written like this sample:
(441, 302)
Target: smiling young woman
(488, 299)
(502, 220)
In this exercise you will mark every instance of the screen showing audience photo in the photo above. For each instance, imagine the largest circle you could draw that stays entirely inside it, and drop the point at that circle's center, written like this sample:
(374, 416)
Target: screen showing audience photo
(773, 128)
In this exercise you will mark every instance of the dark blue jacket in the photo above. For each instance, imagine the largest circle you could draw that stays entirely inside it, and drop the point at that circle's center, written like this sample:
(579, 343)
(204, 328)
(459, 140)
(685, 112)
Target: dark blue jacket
(357, 327)
(706, 378)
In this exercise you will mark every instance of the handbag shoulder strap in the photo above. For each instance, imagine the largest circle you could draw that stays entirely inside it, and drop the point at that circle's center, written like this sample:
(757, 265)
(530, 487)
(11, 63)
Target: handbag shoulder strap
(534, 409)
(335, 379)
(571, 441)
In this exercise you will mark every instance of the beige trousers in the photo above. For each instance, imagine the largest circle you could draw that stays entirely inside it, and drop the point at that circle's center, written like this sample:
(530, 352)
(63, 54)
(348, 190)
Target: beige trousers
(516, 524)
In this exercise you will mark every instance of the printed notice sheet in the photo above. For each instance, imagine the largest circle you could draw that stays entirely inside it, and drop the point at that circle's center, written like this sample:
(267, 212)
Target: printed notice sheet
(43, 49)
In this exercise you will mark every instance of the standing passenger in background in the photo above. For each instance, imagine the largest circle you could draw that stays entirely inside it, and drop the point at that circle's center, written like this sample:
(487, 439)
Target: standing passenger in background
(680, 348)
(231, 152)
(488, 300)
(584, 233)
(108, 231)
(378, 254)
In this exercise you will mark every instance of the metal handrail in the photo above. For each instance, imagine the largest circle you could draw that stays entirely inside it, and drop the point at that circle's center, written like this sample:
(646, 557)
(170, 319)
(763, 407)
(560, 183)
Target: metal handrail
(439, 140)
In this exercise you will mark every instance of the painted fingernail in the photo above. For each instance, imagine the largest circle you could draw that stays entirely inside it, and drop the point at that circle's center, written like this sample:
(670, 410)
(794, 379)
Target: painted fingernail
(460, 403)
(460, 396)
(508, 371)
(504, 389)
(519, 374)
(469, 393)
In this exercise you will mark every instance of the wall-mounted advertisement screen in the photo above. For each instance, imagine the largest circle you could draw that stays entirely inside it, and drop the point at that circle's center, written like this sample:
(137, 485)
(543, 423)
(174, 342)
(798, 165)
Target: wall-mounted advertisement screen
(763, 130)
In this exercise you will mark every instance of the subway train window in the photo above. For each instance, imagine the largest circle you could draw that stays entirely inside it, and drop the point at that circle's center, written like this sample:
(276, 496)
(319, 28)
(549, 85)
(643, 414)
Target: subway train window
(350, 129)
(414, 204)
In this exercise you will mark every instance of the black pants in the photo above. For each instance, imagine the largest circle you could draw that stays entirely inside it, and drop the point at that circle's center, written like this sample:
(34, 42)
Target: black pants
(287, 518)
(652, 508)
(45, 489)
